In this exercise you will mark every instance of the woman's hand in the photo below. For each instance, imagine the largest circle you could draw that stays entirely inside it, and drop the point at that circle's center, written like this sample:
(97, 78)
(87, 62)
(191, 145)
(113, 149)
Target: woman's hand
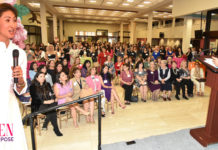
(156, 82)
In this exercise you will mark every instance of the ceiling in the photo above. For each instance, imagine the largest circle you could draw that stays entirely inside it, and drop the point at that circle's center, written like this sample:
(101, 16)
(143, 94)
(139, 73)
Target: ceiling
(104, 11)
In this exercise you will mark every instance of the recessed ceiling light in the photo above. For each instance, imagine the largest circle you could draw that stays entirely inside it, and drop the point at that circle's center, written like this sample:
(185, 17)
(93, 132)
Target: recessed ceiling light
(140, 5)
(110, 3)
(92, 1)
(125, 4)
(130, 1)
(147, 2)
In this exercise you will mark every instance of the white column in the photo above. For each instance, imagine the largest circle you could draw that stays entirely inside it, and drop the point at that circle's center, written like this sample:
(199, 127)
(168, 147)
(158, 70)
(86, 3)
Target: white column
(55, 32)
(173, 22)
(159, 26)
(132, 31)
(61, 29)
(149, 34)
(164, 23)
(44, 33)
(173, 27)
(121, 32)
(187, 31)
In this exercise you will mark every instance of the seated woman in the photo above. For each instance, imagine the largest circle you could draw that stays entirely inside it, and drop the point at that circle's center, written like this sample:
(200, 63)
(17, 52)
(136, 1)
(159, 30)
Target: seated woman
(186, 79)
(147, 62)
(51, 54)
(42, 68)
(43, 98)
(33, 70)
(196, 74)
(110, 65)
(64, 91)
(126, 80)
(76, 64)
(110, 92)
(85, 68)
(118, 65)
(94, 81)
(78, 84)
(176, 80)
(58, 68)
(153, 83)
(141, 79)
(51, 70)
(65, 66)
(169, 62)
(164, 78)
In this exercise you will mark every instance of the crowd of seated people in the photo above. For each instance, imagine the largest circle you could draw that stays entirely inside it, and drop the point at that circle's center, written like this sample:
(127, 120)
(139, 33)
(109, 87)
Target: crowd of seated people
(72, 68)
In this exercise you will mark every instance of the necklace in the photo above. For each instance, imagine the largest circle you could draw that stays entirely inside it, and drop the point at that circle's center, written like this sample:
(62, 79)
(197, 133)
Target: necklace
(175, 71)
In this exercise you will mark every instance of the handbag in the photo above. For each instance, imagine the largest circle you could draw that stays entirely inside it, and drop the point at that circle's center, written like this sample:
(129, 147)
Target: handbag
(134, 96)
(86, 92)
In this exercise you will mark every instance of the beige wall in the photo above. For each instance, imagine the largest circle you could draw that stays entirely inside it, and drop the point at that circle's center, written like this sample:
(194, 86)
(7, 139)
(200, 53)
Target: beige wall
(141, 30)
(71, 27)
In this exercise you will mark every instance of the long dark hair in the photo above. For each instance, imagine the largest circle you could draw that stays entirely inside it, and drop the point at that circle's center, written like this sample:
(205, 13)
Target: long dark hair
(86, 62)
(31, 65)
(58, 78)
(41, 67)
(138, 63)
(58, 63)
(108, 75)
(42, 90)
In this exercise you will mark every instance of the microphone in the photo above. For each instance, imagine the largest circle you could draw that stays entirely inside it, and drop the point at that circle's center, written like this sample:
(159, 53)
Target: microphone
(15, 54)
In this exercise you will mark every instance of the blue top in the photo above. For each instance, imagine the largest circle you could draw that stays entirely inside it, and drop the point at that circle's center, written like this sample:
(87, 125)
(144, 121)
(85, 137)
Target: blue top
(155, 55)
(32, 74)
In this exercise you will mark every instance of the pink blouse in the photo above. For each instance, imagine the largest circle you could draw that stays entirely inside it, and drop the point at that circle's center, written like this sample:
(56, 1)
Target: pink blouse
(63, 90)
(94, 82)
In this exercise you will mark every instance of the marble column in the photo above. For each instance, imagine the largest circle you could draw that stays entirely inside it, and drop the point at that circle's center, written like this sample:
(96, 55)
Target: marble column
(61, 30)
(121, 32)
(44, 32)
(132, 31)
(187, 32)
(149, 33)
(55, 32)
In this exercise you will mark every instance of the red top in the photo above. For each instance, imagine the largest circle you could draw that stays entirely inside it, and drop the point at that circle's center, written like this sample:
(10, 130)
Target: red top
(118, 66)
(125, 77)
(102, 58)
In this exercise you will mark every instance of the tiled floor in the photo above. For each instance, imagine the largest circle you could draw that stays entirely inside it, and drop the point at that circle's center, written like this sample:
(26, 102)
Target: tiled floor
(137, 121)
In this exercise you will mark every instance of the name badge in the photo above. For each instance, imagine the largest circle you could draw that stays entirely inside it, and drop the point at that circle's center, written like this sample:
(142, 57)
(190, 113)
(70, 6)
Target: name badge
(140, 72)
(152, 72)
(128, 75)
(105, 81)
(97, 80)
(93, 54)
(74, 84)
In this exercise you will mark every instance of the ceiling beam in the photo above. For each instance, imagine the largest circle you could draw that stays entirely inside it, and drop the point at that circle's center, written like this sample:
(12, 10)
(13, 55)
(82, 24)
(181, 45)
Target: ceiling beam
(152, 8)
(86, 6)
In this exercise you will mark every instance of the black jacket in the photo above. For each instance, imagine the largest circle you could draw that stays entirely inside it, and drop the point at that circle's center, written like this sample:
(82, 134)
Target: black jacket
(37, 100)
(175, 74)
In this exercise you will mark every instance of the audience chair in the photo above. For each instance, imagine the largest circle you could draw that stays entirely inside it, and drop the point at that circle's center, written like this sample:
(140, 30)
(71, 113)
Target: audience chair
(63, 113)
